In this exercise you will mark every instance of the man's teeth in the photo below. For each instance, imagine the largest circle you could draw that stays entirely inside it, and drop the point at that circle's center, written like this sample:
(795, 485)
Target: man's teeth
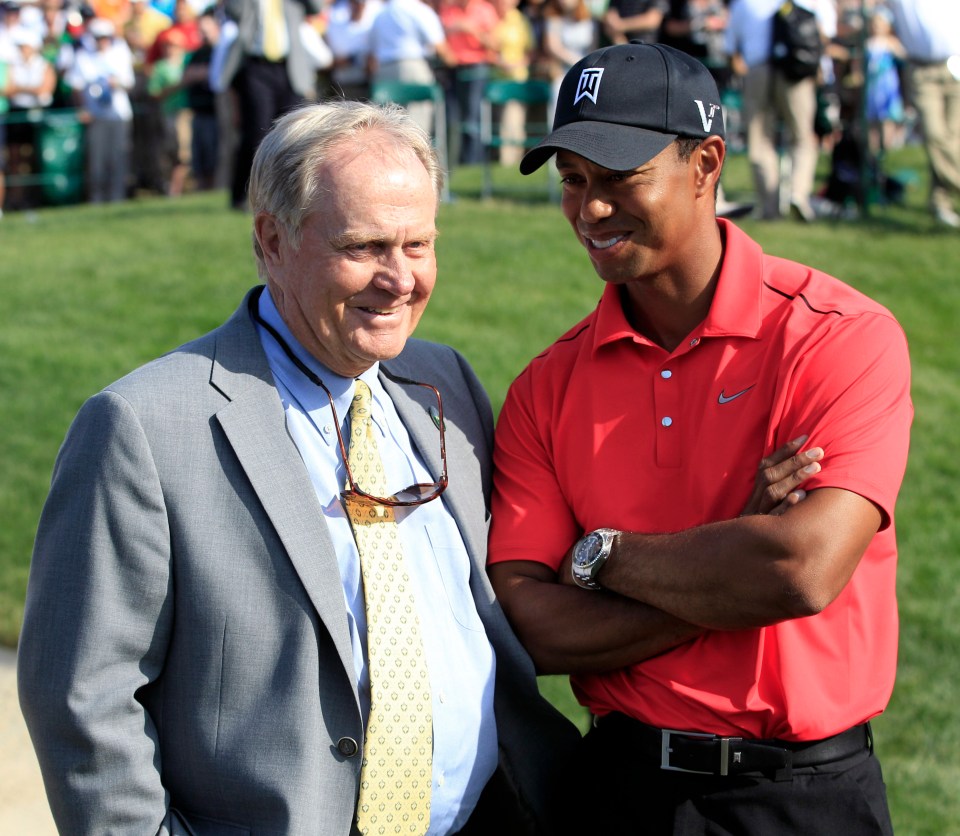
(603, 245)
(379, 310)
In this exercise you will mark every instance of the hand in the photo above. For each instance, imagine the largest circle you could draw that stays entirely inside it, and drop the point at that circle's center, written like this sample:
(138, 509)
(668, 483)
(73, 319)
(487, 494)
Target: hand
(776, 487)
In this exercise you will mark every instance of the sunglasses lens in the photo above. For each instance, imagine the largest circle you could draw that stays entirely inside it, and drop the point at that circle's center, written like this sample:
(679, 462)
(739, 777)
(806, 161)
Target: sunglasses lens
(418, 494)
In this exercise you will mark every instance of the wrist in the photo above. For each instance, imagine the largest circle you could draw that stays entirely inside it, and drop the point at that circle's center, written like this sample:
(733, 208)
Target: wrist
(590, 555)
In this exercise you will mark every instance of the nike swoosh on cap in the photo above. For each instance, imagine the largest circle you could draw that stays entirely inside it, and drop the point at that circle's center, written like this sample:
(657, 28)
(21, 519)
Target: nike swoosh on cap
(727, 398)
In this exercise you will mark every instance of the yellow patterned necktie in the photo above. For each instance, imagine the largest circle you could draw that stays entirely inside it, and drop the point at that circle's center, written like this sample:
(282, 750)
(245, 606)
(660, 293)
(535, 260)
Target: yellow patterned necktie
(397, 770)
(273, 28)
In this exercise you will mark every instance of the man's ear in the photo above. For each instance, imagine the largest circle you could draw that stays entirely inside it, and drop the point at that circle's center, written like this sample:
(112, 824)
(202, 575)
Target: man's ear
(709, 161)
(270, 236)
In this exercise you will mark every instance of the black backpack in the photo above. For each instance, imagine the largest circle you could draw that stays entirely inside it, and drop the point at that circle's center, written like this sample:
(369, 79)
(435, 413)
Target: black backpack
(796, 42)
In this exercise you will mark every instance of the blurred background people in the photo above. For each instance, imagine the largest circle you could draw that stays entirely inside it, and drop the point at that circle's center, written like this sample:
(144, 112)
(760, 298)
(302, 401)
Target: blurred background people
(348, 33)
(116, 11)
(515, 48)
(930, 33)
(884, 99)
(101, 78)
(184, 27)
(140, 31)
(697, 27)
(772, 102)
(569, 33)
(4, 108)
(469, 27)
(269, 69)
(31, 82)
(634, 20)
(166, 87)
(405, 39)
(202, 105)
(318, 51)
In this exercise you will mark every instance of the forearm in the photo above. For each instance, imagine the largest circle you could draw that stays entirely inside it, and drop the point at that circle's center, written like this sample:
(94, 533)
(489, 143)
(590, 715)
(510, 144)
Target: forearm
(571, 630)
(751, 571)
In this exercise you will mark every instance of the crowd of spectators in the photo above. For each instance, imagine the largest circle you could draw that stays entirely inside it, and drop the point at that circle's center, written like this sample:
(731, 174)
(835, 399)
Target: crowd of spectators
(173, 95)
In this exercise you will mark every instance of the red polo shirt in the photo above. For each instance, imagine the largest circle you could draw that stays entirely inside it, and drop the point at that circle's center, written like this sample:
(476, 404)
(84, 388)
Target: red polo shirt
(606, 428)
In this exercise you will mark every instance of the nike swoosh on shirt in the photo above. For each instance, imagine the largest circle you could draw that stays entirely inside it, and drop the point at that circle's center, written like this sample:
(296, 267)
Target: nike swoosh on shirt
(727, 398)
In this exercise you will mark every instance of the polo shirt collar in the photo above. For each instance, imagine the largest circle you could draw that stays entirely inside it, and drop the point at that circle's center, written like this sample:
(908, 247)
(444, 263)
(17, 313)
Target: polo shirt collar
(736, 307)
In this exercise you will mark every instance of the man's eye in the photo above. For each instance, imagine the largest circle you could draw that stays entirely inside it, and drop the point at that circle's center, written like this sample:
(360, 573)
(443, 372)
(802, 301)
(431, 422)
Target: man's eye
(363, 246)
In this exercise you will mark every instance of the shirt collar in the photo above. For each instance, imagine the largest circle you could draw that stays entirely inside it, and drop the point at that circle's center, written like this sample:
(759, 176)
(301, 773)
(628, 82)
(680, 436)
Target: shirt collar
(304, 390)
(736, 307)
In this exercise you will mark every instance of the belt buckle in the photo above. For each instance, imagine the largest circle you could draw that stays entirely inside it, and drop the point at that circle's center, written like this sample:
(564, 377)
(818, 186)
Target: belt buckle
(665, 750)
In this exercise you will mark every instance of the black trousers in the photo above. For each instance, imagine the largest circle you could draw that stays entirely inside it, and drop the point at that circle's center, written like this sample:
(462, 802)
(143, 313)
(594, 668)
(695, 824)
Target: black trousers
(263, 93)
(624, 794)
(498, 812)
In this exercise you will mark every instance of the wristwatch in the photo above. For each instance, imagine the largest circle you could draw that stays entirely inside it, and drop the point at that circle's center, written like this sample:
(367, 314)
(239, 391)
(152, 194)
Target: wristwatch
(589, 555)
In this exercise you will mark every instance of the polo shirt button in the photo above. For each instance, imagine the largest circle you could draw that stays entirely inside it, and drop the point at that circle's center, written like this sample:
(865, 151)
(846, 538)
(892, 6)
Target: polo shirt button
(328, 429)
(347, 747)
(666, 374)
(694, 341)
(667, 422)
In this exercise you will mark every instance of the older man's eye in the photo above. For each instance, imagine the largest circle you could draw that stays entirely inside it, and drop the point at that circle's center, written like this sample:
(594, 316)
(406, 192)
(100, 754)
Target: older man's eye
(362, 246)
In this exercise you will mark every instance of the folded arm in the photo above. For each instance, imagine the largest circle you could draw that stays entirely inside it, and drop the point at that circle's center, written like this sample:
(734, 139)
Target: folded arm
(567, 629)
(752, 571)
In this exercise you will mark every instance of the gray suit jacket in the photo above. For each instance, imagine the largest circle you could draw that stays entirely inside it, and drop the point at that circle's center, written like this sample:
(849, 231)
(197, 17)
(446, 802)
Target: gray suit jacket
(300, 68)
(185, 656)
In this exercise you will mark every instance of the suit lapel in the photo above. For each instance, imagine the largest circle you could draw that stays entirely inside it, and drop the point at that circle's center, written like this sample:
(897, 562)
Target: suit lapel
(255, 426)
(417, 407)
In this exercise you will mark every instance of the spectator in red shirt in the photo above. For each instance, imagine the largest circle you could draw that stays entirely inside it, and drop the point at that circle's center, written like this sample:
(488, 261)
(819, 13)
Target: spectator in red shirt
(469, 26)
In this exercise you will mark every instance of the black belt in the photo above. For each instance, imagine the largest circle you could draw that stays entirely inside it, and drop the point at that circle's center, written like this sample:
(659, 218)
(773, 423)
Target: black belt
(709, 754)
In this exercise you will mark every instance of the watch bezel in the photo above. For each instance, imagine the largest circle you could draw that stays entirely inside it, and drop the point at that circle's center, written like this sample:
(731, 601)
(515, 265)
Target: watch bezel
(598, 545)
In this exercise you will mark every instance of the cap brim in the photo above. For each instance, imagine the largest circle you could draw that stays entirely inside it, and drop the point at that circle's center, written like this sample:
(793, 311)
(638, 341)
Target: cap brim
(617, 147)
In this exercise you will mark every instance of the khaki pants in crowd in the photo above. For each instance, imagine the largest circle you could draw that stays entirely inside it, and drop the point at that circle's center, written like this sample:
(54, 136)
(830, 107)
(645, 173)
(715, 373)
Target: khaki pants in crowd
(936, 96)
(770, 100)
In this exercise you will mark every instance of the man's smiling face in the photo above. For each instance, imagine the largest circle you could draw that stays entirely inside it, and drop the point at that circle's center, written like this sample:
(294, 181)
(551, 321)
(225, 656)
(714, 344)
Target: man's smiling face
(357, 284)
(633, 224)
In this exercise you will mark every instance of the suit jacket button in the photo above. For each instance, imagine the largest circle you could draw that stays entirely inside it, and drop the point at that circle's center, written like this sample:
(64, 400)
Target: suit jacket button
(347, 747)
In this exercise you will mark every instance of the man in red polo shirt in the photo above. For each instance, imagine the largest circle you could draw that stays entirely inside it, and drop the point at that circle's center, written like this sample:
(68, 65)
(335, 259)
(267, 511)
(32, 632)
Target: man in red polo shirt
(731, 663)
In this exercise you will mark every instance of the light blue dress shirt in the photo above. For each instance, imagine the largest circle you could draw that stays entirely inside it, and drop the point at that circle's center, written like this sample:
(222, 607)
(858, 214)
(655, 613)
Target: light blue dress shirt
(460, 658)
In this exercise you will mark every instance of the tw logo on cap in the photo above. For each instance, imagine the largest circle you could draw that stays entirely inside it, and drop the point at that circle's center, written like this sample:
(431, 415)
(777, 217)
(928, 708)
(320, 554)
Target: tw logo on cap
(589, 84)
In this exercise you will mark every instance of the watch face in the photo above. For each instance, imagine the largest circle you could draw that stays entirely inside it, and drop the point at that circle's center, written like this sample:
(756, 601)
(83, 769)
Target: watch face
(588, 549)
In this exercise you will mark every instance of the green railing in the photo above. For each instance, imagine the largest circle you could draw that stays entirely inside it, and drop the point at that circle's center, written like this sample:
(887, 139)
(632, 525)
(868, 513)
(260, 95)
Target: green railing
(59, 149)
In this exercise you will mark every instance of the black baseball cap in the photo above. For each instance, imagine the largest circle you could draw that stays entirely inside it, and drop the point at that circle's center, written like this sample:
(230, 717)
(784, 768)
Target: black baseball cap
(622, 105)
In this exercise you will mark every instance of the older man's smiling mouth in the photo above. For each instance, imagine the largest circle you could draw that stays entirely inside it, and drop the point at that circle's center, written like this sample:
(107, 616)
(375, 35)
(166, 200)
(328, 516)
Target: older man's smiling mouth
(381, 311)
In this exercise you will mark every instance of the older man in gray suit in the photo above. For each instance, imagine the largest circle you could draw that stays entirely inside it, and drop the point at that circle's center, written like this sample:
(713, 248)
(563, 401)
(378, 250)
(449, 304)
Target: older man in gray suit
(194, 656)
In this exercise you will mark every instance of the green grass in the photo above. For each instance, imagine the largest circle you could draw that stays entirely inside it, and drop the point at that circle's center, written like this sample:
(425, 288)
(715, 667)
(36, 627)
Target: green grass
(91, 292)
